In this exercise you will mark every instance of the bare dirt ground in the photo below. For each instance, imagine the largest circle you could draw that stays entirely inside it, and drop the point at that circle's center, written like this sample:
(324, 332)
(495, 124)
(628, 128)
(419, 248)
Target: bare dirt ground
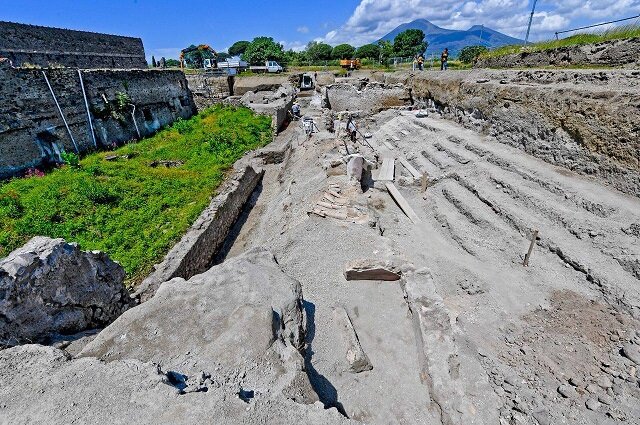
(470, 336)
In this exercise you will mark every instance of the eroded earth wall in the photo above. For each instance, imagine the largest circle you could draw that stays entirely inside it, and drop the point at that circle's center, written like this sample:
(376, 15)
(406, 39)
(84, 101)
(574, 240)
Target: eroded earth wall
(45, 46)
(32, 130)
(587, 121)
(625, 52)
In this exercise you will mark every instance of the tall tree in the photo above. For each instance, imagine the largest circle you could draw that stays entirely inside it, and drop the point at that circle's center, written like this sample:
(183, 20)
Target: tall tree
(386, 50)
(263, 49)
(318, 51)
(409, 43)
(194, 56)
(343, 51)
(369, 51)
(238, 48)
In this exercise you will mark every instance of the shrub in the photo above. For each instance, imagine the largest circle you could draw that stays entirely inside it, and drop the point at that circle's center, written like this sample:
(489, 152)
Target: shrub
(70, 158)
(470, 53)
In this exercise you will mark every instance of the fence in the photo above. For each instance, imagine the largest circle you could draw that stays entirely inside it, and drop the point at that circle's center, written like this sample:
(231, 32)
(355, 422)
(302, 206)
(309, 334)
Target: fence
(596, 25)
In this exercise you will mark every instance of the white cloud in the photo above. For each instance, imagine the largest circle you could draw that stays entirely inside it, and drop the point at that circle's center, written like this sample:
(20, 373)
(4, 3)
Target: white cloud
(303, 29)
(296, 46)
(373, 19)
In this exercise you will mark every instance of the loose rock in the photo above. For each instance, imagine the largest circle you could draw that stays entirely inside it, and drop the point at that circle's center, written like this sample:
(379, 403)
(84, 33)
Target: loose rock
(49, 286)
(632, 352)
(371, 270)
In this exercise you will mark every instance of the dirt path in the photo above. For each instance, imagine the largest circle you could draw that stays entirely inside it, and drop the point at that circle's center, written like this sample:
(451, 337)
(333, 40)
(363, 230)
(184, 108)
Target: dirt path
(472, 336)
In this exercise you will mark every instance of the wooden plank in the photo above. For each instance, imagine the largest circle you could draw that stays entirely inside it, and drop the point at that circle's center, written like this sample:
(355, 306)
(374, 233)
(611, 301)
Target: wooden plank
(404, 205)
(406, 164)
(533, 243)
(388, 170)
(388, 146)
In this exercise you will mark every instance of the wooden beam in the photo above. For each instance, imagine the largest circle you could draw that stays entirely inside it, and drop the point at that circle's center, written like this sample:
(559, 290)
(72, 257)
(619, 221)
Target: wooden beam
(531, 245)
(404, 205)
(406, 164)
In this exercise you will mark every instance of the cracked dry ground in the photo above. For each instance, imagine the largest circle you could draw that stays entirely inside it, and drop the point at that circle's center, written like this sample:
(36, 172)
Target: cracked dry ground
(472, 336)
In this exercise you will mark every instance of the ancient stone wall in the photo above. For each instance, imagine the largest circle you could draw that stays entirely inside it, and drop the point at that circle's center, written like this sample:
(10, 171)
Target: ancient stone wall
(584, 120)
(373, 98)
(32, 131)
(608, 53)
(46, 47)
(196, 250)
(208, 90)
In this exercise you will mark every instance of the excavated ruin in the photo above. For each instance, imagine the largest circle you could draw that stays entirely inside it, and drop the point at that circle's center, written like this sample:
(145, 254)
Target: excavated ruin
(382, 280)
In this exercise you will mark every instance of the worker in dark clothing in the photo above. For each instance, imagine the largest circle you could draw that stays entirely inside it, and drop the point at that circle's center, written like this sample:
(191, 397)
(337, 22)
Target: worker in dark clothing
(444, 60)
(421, 62)
(352, 129)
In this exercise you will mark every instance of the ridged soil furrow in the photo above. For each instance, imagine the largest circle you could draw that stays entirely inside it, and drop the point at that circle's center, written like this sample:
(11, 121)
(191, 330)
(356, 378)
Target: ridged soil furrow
(578, 254)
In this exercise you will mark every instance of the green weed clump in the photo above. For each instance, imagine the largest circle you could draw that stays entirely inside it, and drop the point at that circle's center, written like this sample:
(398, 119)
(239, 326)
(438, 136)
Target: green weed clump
(125, 206)
(617, 33)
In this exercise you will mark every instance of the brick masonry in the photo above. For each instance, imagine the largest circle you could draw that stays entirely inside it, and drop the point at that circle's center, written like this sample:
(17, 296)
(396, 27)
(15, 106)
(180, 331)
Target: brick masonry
(31, 129)
(55, 47)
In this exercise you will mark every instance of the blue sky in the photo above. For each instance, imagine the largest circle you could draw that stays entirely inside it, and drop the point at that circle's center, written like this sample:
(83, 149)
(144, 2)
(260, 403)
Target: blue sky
(166, 26)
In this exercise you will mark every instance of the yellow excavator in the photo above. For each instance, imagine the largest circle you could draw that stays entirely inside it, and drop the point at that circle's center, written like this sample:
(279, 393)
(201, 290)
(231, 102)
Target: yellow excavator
(203, 48)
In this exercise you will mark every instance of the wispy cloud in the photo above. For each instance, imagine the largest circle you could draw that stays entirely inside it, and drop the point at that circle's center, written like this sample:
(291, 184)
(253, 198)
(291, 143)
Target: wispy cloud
(373, 19)
(303, 30)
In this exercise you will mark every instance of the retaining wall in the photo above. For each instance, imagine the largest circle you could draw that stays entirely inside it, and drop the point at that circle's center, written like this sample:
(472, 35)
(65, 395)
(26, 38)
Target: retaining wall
(607, 53)
(32, 131)
(208, 90)
(587, 121)
(197, 248)
(45, 47)
(375, 97)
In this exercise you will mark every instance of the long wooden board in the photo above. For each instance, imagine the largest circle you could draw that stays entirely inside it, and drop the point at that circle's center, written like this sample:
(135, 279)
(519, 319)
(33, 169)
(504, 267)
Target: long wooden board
(404, 205)
(387, 171)
(406, 164)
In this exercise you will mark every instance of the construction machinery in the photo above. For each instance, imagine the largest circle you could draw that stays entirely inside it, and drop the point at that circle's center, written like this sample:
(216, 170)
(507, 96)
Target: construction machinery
(204, 48)
(350, 64)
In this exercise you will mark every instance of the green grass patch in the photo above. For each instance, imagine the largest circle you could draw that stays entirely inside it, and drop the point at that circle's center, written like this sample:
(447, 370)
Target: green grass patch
(125, 206)
(617, 33)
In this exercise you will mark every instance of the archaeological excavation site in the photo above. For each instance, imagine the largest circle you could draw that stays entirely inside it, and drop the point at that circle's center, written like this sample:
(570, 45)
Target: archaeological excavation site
(317, 246)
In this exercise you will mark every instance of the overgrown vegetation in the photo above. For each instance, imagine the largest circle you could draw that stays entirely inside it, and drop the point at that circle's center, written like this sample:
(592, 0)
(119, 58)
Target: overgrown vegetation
(118, 203)
(469, 54)
(617, 33)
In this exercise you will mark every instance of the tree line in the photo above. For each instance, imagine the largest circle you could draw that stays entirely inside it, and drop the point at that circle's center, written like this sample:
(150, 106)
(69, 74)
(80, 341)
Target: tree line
(409, 43)
(406, 44)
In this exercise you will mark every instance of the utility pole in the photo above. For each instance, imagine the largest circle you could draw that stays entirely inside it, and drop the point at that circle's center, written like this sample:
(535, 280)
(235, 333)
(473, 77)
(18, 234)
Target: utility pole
(533, 9)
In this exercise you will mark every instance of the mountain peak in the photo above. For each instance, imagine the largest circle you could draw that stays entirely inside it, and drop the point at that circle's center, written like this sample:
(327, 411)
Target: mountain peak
(439, 38)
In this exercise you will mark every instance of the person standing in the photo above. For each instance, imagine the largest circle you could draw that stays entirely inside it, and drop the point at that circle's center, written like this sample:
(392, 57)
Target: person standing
(421, 62)
(444, 59)
(352, 129)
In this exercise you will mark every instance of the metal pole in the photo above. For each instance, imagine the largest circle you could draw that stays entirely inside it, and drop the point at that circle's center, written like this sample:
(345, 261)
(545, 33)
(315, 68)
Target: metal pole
(133, 117)
(86, 104)
(60, 111)
(533, 9)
